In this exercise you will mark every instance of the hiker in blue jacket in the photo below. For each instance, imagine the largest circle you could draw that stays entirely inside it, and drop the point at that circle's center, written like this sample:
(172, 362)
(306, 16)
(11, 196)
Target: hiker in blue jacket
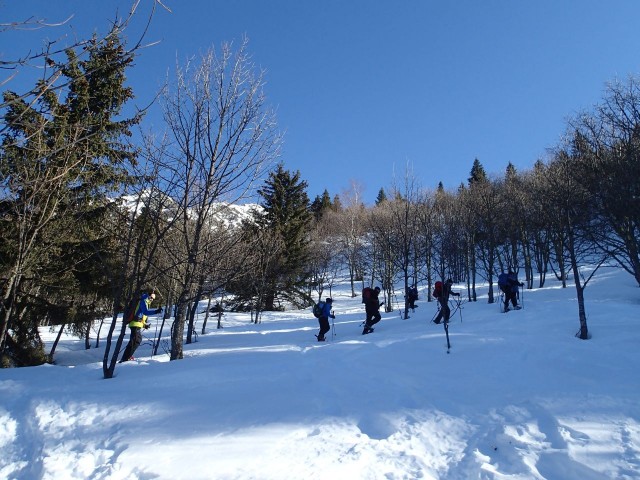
(139, 322)
(323, 319)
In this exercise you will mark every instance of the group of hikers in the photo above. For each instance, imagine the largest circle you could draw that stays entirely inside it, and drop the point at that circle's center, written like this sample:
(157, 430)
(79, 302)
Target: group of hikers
(507, 282)
(370, 297)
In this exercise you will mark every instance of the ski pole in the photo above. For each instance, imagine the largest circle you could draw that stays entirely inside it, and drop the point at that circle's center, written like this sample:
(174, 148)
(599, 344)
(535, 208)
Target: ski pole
(333, 327)
(155, 338)
(446, 331)
(457, 306)
(155, 335)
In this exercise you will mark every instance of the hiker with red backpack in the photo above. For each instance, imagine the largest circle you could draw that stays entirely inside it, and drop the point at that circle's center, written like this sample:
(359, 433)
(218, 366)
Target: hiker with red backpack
(371, 307)
(441, 292)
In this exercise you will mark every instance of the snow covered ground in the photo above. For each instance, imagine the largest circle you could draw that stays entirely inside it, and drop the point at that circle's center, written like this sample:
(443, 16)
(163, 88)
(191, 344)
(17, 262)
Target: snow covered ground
(518, 397)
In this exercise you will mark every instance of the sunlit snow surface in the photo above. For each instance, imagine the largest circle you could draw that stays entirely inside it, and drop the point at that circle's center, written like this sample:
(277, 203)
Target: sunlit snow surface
(518, 397)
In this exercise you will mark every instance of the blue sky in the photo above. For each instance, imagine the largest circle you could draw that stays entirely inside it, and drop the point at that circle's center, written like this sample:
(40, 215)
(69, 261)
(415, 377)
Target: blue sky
(364, 89)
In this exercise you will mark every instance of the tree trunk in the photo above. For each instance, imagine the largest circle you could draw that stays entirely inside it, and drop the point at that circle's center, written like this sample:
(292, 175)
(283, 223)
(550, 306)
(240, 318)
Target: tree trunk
(206, 315)
(8, 302)
(177, 329)
(156, 340)
(55, 343)
(87, 336)
(98, 334)
(582, 314)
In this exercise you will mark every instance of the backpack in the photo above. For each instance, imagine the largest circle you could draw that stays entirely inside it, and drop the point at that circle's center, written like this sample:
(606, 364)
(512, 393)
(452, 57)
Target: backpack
(503, 280)
(367, 293)
(437, 289)
(317, 309)
(131, 310)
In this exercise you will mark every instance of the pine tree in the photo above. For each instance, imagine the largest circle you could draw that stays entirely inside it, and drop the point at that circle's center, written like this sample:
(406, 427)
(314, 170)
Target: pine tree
(382, 197)
(321, 205)
(61, 153)
(478, 173)
(286, 214)
(316, 207)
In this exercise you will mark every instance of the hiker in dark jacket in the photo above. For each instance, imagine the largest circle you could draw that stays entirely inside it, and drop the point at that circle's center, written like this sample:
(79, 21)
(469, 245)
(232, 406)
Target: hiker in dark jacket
(412, 296)
(503, 283)
(511, 291)
(138, 323)
(372, 307)
(323, 319)
(443, 300)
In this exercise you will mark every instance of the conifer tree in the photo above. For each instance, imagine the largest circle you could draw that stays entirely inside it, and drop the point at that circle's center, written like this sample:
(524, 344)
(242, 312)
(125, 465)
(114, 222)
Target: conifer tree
(62, 152)
(478, 173)
(321, 204)
(286, 214)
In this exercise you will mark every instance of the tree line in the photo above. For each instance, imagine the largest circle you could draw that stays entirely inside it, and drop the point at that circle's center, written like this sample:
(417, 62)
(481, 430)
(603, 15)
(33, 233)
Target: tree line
(94, 211)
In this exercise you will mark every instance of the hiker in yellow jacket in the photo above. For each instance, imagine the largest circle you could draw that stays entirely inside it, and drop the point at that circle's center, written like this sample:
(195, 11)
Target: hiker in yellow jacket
(138, 323)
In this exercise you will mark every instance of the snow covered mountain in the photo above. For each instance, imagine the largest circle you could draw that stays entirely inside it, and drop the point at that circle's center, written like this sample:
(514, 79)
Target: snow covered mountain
(224, 213)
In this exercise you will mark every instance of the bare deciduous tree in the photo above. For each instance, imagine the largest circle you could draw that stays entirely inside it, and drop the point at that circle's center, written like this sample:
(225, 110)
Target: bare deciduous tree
(404, 223)
(349, 225)
(223, 138)
(610, 163)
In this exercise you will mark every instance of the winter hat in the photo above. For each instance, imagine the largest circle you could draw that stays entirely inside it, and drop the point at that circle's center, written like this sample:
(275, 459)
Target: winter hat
(329, 300)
